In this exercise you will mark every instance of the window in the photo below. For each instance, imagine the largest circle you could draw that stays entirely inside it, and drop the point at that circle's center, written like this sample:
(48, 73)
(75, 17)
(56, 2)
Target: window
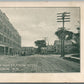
(1, 37)
(4, 39)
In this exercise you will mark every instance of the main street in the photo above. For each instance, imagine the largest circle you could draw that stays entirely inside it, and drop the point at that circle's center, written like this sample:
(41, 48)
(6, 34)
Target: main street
(37, 64)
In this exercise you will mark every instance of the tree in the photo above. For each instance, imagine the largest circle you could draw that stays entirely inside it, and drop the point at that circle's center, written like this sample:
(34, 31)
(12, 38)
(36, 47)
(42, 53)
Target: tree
(76, 38)
(40, 43)
(64, 34)
(68, 35)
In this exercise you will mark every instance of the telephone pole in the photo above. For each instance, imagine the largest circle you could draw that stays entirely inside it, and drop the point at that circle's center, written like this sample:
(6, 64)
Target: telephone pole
(63, 17)
(45, 38)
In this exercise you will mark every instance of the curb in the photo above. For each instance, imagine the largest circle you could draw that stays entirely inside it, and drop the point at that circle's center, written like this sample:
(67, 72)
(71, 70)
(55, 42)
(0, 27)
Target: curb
(72, 59)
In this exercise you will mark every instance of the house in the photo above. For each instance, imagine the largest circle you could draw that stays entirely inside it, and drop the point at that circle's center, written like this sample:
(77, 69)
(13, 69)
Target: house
(68, 46)
(49, 49)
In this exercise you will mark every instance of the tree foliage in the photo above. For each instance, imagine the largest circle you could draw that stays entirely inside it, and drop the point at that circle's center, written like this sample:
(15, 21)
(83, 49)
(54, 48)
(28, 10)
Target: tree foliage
(40, 43)
(64, 34)
(68, 35)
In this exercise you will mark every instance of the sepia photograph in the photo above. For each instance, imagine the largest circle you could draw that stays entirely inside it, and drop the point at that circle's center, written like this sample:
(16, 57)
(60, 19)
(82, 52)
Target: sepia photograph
(40, 39)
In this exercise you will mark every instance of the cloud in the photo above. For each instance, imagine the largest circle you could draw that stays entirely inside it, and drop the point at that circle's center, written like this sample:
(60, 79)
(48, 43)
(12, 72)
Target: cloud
(37, 23)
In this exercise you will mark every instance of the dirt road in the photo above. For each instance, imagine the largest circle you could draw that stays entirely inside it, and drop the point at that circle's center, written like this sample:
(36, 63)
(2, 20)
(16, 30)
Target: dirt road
(37, 64)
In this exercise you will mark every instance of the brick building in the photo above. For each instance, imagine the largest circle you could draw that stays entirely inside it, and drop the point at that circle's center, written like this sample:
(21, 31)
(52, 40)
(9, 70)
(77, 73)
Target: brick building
(10, 40)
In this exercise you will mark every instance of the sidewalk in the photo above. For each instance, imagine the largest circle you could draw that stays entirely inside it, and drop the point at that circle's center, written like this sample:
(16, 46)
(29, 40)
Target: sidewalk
(72, 57)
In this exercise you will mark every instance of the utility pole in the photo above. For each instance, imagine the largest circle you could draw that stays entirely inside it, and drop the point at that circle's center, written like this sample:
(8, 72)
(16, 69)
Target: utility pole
(45, 38)
(63, 17)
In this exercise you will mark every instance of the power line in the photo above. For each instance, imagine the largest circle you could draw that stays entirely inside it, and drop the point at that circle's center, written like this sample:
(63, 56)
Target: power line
(63, 17)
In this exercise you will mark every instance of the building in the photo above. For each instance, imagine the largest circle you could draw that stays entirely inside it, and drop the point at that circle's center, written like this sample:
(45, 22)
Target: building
(10, 40)
(49, 49)
(68, 46)
(28, 51)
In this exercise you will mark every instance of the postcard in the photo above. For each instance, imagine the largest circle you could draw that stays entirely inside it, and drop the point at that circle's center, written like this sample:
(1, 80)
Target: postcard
(41, 41)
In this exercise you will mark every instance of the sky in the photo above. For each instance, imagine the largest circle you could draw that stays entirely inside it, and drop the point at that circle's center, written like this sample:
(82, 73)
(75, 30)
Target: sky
(40, 23)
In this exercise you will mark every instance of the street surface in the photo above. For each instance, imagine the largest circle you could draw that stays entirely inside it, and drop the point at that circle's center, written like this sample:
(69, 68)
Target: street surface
(37, 64)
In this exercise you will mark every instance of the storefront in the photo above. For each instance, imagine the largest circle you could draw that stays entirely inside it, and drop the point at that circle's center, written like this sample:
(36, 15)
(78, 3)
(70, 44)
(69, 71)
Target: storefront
(2, 50)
